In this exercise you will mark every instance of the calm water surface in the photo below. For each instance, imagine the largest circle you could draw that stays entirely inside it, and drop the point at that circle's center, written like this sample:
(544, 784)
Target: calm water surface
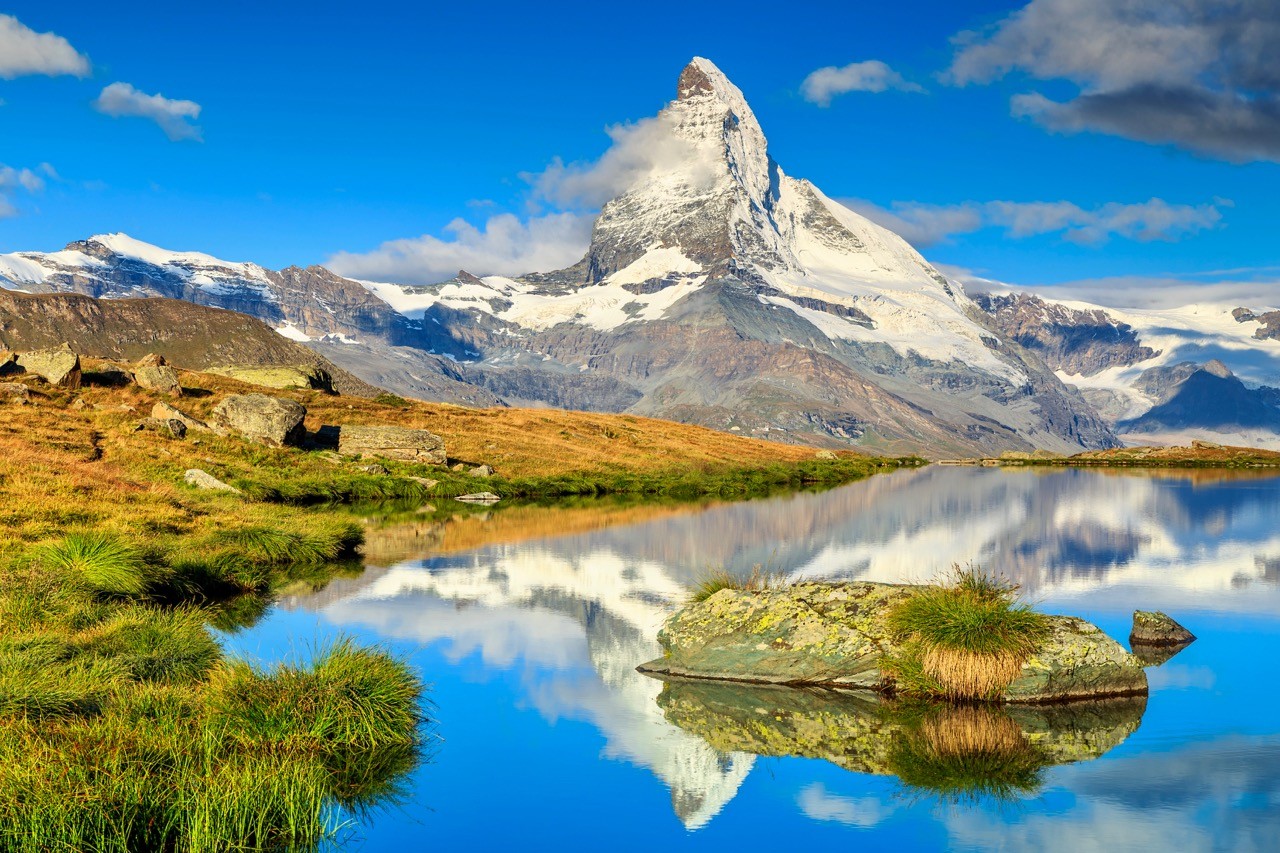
(529, 624)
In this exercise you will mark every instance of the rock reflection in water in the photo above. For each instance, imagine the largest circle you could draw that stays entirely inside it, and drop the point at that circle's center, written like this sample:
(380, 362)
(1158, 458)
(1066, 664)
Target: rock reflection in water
(957, 753)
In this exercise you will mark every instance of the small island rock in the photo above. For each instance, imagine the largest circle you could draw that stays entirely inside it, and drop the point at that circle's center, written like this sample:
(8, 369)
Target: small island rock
(1153, 628)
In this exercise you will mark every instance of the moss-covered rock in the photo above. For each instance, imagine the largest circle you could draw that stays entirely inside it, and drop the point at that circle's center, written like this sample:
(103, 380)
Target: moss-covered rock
(837, 635)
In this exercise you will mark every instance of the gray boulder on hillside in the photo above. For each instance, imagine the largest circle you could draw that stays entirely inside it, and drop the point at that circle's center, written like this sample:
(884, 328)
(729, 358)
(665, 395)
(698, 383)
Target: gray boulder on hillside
(390, 442)
(153, 373)
(267, 420)
(60, 366)
(166, 412)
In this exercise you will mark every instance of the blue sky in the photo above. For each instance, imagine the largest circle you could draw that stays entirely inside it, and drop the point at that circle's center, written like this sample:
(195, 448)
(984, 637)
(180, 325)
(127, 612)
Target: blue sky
(326, 128)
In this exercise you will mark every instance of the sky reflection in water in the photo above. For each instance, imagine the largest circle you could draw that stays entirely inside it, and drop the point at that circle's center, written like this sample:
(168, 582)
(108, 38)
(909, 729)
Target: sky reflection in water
(550, 738)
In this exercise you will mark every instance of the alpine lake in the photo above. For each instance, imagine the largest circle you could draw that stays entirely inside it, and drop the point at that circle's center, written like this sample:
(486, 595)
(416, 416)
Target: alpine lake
(528, 623)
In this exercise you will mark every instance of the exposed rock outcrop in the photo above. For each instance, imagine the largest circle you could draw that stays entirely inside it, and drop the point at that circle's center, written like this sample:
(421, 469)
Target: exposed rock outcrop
(273, 421)
(60, 366)
(278, 376)
(390, 442)
(836, 634)
(165, 412)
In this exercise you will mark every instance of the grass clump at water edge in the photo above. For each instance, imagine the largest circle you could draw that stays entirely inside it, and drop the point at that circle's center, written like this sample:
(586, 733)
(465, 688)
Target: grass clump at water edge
(759, 580)
(965, 640)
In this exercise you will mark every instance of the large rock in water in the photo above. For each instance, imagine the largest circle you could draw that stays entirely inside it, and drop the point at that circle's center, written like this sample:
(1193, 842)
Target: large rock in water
(836, 635)
(1154, 628)
(389, 442)
(60, 366)
(268, 420)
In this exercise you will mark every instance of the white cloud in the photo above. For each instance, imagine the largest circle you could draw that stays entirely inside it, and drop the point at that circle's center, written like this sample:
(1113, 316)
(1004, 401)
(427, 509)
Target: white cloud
(816, 803)
(174, 117)
(869, 76)
(1199, 74)
(23, 51)
(638, 150)
(505, 245)
(927, 224)
(19, 180)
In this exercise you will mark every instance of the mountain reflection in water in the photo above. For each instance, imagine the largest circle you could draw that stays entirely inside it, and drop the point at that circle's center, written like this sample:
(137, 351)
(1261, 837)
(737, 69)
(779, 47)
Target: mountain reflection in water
(505, 589)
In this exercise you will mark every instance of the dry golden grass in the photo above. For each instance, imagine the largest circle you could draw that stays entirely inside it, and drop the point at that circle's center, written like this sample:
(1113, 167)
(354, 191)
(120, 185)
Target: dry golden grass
(966, 730)
(965, 675)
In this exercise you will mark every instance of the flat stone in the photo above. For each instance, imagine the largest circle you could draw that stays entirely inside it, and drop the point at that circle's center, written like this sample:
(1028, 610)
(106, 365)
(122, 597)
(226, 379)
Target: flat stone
(277, 376)
(205, 480)
(479, 498)
(1153, 628)
(272, 421)
(166, 412)
(836, 635)
(60, 366)
(392, 442)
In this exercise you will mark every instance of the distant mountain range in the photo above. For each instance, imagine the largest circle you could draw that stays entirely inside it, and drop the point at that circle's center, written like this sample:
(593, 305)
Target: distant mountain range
(719, 290)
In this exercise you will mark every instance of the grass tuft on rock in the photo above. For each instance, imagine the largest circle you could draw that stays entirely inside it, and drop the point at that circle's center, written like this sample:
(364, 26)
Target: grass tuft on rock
(966, 640)
(758, 581)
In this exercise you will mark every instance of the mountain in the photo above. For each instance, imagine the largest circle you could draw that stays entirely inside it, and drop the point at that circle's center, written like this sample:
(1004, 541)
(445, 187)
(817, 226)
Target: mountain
(194, 337)
(1208, 371)
(717, 290)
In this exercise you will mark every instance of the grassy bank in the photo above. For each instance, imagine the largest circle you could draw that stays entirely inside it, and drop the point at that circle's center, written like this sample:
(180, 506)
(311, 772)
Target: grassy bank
(122, 724)
(1198, 455)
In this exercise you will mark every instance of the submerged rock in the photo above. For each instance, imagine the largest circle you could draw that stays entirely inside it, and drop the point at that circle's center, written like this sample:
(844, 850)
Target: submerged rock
(1153, 628)
(836, 634)
(60, 366)
(267, 420)
(391, 442)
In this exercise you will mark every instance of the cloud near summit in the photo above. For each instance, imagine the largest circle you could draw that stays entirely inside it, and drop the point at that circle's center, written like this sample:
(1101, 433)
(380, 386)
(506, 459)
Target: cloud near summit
(821, 86)
(1198, 74)
(174, 117)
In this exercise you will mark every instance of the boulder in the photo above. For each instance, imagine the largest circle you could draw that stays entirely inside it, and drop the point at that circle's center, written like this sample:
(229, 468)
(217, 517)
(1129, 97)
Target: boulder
(825, 455)
(390, 442)
(9, 364)
(15, 392)
(1153, 628)
(482, 471)
(166, 412)
(60, 366)
(836, 635)
(272, 421)
(380, 470)
(153, 373)
(204, 480)
(277, 376)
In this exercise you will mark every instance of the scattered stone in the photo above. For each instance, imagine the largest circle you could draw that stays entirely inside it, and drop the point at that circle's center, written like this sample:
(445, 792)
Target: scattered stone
(166, 412)
(837, 635)
(373, 469)
(400, 443)
(825, 455)
(205, 480)
(479, 498)
(60, 366)
(78, 404)
(459, 467)
(1205, 445)
(284, 376)
(272, 421)
(1153, 628)
(425, 482)
(482, 471)
(9, 364)
(15, 392)
(170, 427)
(153, 373)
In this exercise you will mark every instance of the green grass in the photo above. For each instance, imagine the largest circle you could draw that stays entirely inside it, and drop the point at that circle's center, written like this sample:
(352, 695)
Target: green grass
(101, 560)
(963, 640)
(758, 581)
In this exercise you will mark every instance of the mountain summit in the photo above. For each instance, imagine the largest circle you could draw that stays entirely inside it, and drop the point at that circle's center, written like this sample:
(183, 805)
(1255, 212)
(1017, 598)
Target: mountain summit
(717, 289)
